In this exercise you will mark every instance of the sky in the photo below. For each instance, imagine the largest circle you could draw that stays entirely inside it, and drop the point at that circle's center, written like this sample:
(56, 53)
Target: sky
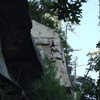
(86, 36)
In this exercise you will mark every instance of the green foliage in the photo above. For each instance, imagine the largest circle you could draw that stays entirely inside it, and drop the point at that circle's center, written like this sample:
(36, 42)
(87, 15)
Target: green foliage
(68, 10)
(98, 45)
(97, 59)
(94, 61)
(38, 11)
(49, 85)
(87, 88)
(98, 88)
(7, 92)
(78, 96)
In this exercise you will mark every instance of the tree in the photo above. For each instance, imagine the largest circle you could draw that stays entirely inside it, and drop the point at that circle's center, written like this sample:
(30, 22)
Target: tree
(67, 10)
(94, 61)
(39, 11)
(87, 87)
(49, 87)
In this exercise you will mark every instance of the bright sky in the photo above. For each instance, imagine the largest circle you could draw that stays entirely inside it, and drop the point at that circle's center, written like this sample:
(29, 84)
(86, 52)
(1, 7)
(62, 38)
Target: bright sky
(87, 37)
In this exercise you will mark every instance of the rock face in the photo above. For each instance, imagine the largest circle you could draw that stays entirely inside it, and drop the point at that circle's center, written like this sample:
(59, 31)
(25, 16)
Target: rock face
(18, 50)
(49, 44)
(3, 68)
